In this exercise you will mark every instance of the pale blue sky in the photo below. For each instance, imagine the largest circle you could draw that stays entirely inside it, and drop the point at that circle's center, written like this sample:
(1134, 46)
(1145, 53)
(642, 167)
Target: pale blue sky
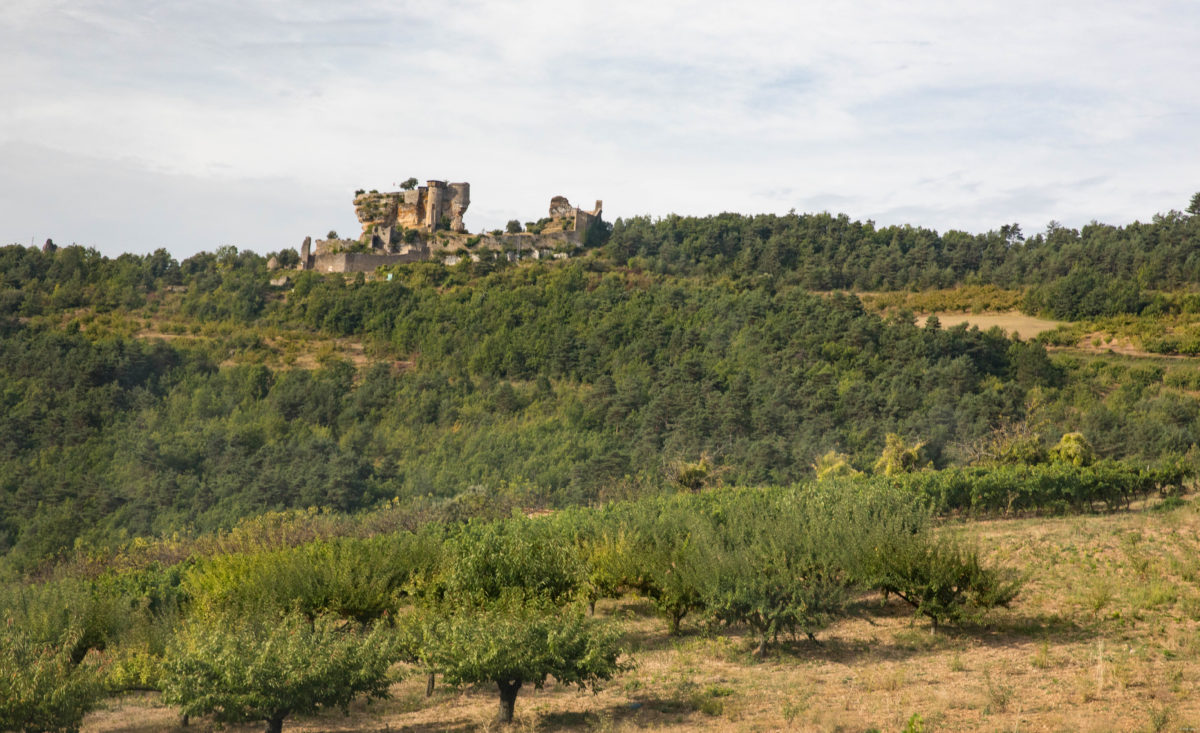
(135, 124)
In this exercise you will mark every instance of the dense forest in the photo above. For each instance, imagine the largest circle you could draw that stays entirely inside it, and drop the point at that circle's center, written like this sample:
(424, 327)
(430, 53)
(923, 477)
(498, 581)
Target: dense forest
(680, 342)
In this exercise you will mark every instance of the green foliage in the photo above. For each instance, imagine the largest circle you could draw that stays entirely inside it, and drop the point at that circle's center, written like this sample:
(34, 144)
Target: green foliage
(514, 640)
(360, 579)
(834, 465)
(830, 252)
(779, 569)
(502, 609)
(693, 475)
(513, 226)
(92, 614)
(901, 457)
(524, 387)
(940, 579)
(484, 561)
(613, 563)
(1053, 487)
(265, 668)
(41, 687)
(1075, 449)
(674, 549)
(1086, 293)
(1008, 444)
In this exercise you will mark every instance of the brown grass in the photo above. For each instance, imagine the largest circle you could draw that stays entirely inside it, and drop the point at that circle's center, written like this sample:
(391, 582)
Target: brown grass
(1105, 637)
(1011, 322)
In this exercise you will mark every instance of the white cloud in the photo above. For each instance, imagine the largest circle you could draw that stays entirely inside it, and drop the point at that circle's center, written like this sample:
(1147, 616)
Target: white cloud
(927, 112)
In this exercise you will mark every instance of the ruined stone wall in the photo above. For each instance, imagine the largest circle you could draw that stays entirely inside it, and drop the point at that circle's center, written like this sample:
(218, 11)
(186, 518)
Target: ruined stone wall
(424, 209)
(388, 219)
(570, 220)
(360, 262)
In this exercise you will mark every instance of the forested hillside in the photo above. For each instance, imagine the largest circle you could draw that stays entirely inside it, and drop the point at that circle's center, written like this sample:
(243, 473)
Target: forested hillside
(143, 395)
(261, 501)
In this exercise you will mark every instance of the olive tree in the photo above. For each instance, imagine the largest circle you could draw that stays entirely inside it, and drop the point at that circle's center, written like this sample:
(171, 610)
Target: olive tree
(268, 668)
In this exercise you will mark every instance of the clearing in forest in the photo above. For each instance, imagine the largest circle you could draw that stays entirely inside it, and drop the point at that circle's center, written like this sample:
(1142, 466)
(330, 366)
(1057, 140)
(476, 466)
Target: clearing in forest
(1012, 322)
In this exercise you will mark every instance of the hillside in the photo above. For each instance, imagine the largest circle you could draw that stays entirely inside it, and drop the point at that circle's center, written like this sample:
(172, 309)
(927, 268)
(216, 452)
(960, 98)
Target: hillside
(548, 384)
(747, 444)
(1102, 638)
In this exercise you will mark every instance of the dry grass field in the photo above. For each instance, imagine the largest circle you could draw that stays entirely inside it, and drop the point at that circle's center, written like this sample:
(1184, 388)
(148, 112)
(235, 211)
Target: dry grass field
(1104, 637)
(1011, 322)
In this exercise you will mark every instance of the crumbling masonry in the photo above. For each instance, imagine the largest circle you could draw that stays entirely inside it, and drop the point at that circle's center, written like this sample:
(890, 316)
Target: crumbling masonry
(426, 223)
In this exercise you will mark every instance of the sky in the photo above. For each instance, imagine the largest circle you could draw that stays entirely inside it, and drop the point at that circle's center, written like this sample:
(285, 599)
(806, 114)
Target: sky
(130, 125)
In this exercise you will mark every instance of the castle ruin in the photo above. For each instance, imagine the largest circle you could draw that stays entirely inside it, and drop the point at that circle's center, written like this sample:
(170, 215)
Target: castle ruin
(426, 223)
(425, 209)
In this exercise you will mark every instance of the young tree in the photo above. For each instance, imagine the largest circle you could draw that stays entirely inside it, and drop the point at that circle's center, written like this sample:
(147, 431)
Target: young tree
(940, 579)
(514, 641)
(772, 591)
(504, 608)
(782, 564)
(674, 550)
(267, 669)
(1075, 449)
(41, 688)
(834, 465)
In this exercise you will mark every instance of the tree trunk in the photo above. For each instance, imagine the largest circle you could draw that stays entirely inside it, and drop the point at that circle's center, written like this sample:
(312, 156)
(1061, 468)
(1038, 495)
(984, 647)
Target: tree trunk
(761, 651)
(429, 685)
(508, 698)
(673, 623)
(275, 723)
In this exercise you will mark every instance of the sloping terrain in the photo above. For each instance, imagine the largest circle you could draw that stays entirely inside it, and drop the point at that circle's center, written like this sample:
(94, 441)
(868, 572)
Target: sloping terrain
(1103, 637)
